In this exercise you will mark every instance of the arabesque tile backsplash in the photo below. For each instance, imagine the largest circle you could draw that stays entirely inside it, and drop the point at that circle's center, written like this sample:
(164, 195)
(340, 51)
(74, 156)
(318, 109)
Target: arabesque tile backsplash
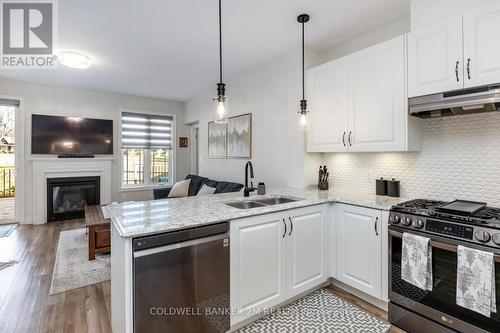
(460, 158)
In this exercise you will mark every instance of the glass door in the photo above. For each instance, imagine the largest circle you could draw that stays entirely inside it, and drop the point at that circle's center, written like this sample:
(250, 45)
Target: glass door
(8, 111)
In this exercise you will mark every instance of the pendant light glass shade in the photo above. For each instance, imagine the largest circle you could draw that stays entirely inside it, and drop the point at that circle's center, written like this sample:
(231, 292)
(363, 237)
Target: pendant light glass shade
(303, 122)
(221, 109)
(303, 117)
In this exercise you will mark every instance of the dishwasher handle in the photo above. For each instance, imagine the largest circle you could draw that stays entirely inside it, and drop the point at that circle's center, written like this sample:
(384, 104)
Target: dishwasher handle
(192, 242)
(180, 236)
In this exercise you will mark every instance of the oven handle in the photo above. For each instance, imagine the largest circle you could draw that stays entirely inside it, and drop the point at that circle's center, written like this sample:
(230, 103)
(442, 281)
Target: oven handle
(438, 245)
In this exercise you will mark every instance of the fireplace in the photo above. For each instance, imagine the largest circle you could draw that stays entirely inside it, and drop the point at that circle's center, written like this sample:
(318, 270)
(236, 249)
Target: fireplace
(67, 197)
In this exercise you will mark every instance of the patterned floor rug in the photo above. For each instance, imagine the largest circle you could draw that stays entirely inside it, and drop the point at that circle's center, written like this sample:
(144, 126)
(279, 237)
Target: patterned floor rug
(318, 312)
(72, 268)
(6, 229)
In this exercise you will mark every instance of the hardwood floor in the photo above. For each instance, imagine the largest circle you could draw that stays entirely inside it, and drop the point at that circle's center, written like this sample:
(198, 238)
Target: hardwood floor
(25, 304)
(372, 309)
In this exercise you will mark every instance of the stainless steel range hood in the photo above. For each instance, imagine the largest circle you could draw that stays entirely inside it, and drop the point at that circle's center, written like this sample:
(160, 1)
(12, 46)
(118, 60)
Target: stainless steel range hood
(466, 101)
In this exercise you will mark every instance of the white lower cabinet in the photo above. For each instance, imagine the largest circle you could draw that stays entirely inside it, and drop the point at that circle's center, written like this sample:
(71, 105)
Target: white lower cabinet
(257, 265)
(306, 250)
(359, 233)
(275, 257)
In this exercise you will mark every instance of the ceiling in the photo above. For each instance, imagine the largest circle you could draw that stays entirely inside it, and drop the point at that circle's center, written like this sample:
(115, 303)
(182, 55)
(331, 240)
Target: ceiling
(169, 49)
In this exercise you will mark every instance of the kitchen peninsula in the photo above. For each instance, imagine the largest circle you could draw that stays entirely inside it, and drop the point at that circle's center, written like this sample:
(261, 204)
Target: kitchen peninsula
(277, 251)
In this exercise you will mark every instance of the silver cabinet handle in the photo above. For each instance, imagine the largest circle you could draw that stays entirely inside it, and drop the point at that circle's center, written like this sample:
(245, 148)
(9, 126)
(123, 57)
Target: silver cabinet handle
(456, 71)
(376, 223)
(284, 234)
(349, 139)
(468, 68)
(343, 138)
(291, 226)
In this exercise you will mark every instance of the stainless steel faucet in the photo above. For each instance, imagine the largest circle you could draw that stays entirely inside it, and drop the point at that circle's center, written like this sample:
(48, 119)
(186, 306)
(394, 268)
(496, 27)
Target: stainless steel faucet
(247, 190)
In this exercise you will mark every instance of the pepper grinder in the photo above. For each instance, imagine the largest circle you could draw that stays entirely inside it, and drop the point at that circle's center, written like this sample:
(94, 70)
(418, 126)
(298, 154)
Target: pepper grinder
(261, 189)
(393, 188)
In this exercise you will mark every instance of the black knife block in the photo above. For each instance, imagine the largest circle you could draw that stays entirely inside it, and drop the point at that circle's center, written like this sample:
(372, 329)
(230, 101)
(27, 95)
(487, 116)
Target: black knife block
(323, 186)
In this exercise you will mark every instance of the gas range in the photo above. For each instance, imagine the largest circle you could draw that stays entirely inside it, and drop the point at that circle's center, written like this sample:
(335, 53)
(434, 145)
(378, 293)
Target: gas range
(468, 221)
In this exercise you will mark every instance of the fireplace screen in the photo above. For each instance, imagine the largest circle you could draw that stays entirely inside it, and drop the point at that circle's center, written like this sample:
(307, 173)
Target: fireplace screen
(67, 197)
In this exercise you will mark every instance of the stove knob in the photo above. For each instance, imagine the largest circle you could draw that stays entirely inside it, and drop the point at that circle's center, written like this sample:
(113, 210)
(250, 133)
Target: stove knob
(496, 239)
(419, 224)
(407, 221)
(395, 219)
(482, 236)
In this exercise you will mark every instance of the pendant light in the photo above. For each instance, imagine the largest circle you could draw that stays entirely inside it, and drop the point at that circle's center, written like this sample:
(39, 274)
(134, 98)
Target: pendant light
(221, 110)
(303, 123)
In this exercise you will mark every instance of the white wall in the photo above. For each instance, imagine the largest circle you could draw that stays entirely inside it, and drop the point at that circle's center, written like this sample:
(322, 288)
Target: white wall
(271, 93)
(46, 99)
(455, 151)
(373, 37)
(428, 12)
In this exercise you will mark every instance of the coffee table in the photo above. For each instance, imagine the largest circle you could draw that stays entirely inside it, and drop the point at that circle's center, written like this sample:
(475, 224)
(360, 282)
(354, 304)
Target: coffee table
(98, 230)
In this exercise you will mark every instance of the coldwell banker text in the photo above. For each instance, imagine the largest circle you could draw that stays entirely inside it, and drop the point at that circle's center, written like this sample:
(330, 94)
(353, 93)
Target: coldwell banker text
(28, 34)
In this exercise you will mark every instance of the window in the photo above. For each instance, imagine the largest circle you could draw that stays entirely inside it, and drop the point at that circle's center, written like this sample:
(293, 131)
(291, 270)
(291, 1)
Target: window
(146, 149)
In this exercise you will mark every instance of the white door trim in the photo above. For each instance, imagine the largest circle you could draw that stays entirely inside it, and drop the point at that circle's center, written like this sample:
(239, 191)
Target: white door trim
(20, 120)
(194, 151)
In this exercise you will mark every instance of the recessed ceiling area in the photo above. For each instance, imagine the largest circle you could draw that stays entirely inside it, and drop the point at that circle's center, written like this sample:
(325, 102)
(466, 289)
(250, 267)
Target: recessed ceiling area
(169, 49)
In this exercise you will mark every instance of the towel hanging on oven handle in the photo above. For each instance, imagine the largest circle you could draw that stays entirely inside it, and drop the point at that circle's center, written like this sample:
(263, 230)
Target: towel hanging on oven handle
(439, 245)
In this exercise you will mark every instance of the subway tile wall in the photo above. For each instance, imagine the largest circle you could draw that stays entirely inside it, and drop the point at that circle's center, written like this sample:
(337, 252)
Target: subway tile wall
(460, 158)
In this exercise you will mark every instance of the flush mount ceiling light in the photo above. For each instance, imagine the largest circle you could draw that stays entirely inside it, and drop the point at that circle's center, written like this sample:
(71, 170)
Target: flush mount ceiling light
(74, 60)
(221, 111)
(303, 123)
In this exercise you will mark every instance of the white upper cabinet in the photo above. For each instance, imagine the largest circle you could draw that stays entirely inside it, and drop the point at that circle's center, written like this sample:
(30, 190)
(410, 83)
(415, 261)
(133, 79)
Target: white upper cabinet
(461, 52)
(328, 91)
(435, 61)
(377, 98)
(481, 46)
(359, 102)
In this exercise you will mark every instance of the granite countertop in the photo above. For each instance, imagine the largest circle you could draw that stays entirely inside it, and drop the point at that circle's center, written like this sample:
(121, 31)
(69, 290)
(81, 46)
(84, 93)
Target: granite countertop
(135, 219)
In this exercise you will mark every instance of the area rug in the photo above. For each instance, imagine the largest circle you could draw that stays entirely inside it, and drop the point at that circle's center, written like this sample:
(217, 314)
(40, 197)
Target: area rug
(72, 268)
(320, 311)
(6, 229)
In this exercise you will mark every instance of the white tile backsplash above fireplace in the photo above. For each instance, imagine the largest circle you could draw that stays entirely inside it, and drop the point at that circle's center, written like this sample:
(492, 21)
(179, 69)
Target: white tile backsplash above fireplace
(460, 158)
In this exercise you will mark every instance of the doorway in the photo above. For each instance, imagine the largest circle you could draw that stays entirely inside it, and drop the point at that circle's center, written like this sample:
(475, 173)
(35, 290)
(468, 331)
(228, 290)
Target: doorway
(9, 110)
(195, 169)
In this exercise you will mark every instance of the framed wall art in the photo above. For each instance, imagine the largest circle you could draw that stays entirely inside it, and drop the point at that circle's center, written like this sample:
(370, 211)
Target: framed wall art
(239, 136)
(217, 135)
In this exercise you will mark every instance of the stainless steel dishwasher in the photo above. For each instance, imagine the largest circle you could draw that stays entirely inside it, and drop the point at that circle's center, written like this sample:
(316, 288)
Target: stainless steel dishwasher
(181, 281)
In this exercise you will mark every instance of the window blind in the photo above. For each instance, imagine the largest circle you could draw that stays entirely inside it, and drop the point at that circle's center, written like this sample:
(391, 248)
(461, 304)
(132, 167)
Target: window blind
(146, 131)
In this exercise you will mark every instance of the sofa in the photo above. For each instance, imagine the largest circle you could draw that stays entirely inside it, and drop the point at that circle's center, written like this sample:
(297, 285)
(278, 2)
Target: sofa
(196, 183)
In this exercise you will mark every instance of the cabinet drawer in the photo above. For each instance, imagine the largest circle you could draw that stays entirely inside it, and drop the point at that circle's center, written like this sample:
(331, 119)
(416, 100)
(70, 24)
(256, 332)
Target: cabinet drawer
(102, 237)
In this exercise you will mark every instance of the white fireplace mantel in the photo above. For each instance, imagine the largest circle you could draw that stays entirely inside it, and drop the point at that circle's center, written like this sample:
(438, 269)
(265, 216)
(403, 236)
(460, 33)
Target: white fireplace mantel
(45, 168)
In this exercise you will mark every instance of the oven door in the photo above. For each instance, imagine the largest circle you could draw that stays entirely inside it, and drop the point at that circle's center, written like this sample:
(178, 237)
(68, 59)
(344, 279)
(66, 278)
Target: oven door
(440, 303)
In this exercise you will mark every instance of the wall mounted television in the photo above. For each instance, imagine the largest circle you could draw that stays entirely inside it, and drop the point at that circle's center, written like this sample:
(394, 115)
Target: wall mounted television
(71, 136)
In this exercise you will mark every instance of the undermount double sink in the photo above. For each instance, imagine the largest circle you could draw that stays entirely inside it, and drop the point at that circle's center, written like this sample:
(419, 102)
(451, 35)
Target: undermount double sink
(257, 203)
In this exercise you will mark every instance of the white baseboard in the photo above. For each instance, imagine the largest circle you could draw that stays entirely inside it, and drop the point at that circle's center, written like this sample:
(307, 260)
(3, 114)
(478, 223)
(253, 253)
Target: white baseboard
(365, 297)
(26, 220)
